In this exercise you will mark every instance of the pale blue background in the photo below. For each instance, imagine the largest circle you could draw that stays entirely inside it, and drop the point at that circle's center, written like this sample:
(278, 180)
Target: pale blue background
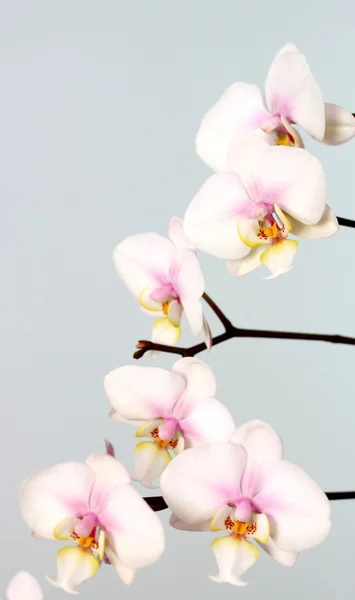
(99, 105)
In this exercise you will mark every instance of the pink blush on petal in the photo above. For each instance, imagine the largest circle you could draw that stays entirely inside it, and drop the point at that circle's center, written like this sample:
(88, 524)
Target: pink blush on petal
(160, 294)
(268, 505)
(86, 525)
(76, 507)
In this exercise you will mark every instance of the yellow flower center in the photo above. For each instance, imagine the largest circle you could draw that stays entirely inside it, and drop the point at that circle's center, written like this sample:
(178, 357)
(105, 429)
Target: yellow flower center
(162, 443)
(239, 528)
(273, 233)
(165, 307)
(86, 543)
(285, 140)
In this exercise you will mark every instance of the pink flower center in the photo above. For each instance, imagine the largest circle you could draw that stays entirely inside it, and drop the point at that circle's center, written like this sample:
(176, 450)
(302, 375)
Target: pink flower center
(85, 532)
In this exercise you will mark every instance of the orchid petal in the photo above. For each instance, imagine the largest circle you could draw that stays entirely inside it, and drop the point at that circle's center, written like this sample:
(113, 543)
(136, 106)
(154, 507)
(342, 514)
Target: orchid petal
(143, 261)
(210, 421)
(190, 286)
(23, 586)
(201, 480)
(207, 334)
(326, 227)
(177, 235)
(239, 109)
(284, 220)
(126, 574)
(249, 233)
(146, 429)
(179, 524)
(65, 528)
(289, 47)
(219, 518)
(162, 293)
(164, 332)
(262, 533)
(245, 265)
(287, 559)
(167, 429)
(200, 384)
(148, 303)
(52, 494)
(234, 557)
(134, 531)
(193, 311)
(143, 393)
(339, 125)
(298, 508)
(149, 462)
(264, 451)
(110, 449)
(108, 472)
(115, 416)
(294, 180)
(292, 91)
(211, 218)
(74, 566)
(293, 133)
(174, 313)
(180, 446)
(244, 158)
(279, 257)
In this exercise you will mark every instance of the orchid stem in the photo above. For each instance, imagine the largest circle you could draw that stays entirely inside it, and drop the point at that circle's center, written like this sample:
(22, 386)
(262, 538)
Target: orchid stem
(346, 222)
(158, 503)
(222, 317)
(235, 332)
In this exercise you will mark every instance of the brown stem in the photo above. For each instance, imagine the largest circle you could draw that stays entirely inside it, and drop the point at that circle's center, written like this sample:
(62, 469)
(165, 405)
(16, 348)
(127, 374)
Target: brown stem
(236, 332)
(222, 317)
(158, 503)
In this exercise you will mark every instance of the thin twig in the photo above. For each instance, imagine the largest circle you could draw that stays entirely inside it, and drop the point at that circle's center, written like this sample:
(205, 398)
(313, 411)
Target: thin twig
(222, 317)
(346, 222)
(236, 332)
(158, 503)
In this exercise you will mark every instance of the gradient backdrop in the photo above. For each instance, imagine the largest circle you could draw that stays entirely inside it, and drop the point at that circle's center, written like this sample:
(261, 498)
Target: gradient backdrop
(99, 105)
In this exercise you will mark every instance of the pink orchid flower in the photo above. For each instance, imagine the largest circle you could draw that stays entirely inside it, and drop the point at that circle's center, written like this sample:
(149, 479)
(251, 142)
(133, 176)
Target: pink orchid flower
(292, 97)
(245, 215)
(23, 586)
(93, 505)
(246, 490)
(176, 409)
(165, 275)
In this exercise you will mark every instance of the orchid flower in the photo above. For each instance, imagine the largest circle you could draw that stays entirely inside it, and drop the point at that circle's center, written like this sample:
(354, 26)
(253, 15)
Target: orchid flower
(246, 490)
(23, 586)
(292, 97)
(176, 409)
(93, 505)
(245, 215)
(165, 275)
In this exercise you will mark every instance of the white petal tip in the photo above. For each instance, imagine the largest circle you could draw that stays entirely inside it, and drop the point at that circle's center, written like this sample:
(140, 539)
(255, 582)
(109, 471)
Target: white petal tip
(274, 275)
(231, 580)
(147, 484)
(62, 587)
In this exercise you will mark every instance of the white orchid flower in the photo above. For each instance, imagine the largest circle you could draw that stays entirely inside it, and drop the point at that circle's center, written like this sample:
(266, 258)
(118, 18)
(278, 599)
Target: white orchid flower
(246, 490)
(165, 276)
(176, 409)
(93, 505)
(292, 97)
(245, 215)
(23, 586)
